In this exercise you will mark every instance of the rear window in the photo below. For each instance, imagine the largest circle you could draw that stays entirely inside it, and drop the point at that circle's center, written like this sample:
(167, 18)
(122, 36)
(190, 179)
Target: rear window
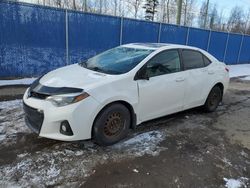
(192, 59)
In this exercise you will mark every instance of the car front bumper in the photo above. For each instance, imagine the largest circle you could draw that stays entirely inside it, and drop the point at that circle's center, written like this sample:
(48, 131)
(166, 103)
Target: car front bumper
(45, 119)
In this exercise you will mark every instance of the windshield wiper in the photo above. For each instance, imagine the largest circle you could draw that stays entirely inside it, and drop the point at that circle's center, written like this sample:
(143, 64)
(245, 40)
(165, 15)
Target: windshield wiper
(83, 64)
(98, 69)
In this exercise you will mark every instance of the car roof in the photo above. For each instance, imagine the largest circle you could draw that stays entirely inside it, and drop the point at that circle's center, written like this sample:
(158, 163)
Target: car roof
(156, 46)
(165, 46)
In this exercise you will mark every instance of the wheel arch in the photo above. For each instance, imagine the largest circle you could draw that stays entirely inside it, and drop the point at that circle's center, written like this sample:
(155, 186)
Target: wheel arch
(220, 85)
(127, 105)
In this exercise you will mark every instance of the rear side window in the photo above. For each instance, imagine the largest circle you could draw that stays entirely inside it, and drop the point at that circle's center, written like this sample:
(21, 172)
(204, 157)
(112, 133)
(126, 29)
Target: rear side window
(192, 59)
(206, 61)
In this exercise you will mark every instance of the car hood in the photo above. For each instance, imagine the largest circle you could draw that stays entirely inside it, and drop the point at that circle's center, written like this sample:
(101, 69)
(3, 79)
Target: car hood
(73, 76)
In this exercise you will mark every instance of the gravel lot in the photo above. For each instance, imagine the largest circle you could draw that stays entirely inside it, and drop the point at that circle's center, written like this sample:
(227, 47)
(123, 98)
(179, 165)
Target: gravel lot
(188, 149)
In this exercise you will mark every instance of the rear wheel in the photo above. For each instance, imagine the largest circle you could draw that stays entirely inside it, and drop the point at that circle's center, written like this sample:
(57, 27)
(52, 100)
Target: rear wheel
(213, 99)
(111, 125)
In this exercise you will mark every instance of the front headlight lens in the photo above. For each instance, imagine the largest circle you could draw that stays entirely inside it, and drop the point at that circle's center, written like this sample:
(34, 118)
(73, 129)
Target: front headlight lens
(63, 100)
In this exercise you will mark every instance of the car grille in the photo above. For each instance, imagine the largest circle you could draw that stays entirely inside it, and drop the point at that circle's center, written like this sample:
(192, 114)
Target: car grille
(33, 118)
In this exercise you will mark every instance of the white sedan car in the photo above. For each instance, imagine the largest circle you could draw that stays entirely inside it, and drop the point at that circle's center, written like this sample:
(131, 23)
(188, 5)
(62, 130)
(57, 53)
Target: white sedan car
(105, 96)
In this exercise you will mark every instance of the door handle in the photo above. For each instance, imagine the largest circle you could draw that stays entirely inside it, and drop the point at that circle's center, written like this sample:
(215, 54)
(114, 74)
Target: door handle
(180, 79)
(204, 70)
(210, 72)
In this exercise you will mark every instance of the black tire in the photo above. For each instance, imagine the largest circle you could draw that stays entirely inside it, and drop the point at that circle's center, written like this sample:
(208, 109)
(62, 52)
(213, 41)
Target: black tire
(213, 100)
(111, 125)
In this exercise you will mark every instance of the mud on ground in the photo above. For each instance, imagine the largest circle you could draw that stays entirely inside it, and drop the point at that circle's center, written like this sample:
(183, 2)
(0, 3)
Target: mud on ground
(188, 149)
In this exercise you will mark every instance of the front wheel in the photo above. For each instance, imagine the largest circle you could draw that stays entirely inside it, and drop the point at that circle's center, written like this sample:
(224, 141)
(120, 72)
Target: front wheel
(111, 125)
(213, 99)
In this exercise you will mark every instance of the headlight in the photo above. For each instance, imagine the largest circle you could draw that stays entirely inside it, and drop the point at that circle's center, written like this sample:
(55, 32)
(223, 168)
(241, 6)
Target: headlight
(66, 99)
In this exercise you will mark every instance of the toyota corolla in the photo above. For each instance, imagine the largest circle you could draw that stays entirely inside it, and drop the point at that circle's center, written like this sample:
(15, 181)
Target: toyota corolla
(105, 96)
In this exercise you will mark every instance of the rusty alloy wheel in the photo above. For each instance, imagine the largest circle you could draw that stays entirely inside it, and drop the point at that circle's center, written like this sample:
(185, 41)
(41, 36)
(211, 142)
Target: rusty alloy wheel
(114, 124)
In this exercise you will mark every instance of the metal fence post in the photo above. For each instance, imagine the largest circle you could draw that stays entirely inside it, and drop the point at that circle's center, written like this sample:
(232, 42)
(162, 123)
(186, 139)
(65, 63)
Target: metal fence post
(209, 38)
(121, 31)
(159, 34)
(187, 37)
(67, 37)
(241, 43)
(225, 51)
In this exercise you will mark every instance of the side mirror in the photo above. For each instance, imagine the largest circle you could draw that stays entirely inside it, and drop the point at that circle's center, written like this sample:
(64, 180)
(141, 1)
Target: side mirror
(142, 74)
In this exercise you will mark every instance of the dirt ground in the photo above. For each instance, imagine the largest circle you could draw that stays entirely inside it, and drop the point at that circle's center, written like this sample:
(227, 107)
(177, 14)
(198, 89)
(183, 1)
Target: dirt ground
(188, 149)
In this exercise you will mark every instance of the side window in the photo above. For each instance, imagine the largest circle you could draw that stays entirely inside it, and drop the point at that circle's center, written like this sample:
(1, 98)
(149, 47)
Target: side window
(206, 60)
(164, 63)
(192, 59)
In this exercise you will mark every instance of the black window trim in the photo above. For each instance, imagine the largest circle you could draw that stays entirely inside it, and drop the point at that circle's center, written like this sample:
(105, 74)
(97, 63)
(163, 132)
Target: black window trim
(203, 55)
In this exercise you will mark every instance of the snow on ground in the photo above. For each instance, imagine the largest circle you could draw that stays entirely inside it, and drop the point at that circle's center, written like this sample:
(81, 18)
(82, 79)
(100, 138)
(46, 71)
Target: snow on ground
(56, 161)
(246, 78)
(236, 183)
(24, 81)
(145, 143)
(11, 120)
(239, 70)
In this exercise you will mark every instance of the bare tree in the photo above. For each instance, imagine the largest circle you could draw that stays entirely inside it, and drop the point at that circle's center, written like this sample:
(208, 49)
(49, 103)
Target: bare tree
(165, 10)
(134, 6)
(202, 15)
(74, 4)
(235, 21)
(58, 3)
(188, 6)
(179, 8)
(213, 21)
(247, 22)
(206, 13)
(84, 5)
(115, 6)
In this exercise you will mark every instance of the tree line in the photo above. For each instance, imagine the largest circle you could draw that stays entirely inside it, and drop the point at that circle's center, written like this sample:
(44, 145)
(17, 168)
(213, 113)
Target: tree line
(183, 12)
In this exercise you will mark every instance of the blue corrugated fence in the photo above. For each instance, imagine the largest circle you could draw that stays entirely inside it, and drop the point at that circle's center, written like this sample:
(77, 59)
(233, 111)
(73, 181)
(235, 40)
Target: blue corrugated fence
(36, 39)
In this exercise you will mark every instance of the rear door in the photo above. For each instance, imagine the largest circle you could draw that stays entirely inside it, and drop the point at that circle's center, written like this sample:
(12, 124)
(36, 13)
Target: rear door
(164, 92)
(197, 78)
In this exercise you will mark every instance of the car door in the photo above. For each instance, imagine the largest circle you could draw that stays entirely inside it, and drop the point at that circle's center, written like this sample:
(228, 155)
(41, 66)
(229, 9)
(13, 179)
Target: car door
(197, 78)
(163, 92)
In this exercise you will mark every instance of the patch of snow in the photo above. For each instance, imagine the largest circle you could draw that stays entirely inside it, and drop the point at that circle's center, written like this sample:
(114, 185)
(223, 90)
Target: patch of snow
(145, 143)
(23, 81)
(2, 137)
(53, 172)
(11, 120)
(135, 170)
(9, 105)
(244, 154)
(239, 70)
(236, 183)
(247, 78)
(226, 161)
(22, 155)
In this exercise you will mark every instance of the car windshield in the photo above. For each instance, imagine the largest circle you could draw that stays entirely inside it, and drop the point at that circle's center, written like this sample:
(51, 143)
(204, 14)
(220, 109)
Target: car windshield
(117, 60)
